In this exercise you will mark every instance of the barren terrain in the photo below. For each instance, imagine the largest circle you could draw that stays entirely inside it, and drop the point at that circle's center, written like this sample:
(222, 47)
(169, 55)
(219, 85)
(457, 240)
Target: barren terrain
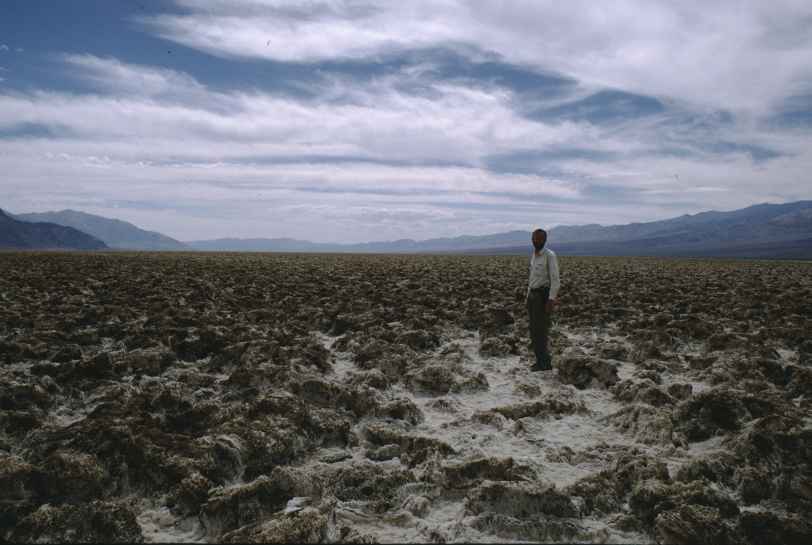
(326, 398)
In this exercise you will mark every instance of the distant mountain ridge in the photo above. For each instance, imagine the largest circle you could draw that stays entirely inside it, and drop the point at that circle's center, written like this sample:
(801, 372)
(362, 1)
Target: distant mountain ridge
(115, 233)
(762, 230)
(756, 222)
(21, 235)
(405, 245)
(758, 231)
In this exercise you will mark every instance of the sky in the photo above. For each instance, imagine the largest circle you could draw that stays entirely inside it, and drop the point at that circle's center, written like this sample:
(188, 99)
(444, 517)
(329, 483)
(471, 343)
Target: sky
(362, 120)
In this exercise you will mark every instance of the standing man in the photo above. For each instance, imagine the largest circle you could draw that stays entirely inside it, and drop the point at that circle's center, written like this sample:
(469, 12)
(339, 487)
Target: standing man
(542, 290)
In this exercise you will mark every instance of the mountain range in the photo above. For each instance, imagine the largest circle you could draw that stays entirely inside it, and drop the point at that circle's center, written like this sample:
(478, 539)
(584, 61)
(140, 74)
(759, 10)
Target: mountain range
(114, 233)
(758, 231)
(21, 235)
(762, 230)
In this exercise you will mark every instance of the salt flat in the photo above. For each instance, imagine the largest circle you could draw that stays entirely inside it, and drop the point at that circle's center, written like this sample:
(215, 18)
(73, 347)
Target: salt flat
(255, 397)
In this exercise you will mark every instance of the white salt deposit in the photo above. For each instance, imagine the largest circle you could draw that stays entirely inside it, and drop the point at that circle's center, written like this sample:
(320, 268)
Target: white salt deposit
(528, 441)
(159, 525)
(561, 449)
(342, 361)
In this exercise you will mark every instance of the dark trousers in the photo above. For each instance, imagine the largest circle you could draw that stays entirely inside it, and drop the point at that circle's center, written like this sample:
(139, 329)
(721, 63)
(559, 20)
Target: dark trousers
(539, 320)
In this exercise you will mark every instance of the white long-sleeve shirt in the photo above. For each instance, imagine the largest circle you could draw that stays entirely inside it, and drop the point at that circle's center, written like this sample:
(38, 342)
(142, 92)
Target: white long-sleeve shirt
(544, 271)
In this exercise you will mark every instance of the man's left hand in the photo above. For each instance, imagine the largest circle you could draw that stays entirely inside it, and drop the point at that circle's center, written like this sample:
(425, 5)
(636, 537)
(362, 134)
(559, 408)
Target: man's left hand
(550, 305)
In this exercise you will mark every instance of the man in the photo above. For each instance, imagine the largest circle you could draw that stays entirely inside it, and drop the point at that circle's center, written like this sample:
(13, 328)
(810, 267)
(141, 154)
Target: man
(542, 290)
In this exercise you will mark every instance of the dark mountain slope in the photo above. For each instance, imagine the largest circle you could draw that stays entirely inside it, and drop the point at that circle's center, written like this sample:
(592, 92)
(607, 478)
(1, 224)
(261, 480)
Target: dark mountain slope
(115, 233)
(21, 235)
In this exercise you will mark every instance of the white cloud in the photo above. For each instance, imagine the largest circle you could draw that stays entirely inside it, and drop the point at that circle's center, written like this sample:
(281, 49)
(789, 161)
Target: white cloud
(380, 163)
(742, 56)
(142, 108)
(3, 47)
(114, 76)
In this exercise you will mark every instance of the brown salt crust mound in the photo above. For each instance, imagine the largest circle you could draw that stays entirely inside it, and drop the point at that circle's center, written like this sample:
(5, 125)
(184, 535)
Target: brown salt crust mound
(489, 418)
(651, 497)
(732, 370)
(490, 321)
(359, 400)
(584, 371)
(723, 410)
(606, 491)
(496, 347)
(613, 351)
(718, 468)
(652, 344)
(418, 506)
(234, 507)
(386, 452)
(392, 360)
(653, 376)
(519, 500)
(695, 524)
(646, 424)
(20, 396)
(22, 487)
(527, 390)
(305, 526)
(188, 496)
(70, 475)
(374, 485)
(469, 473)
(774, 461)
(414, 448)
(418, 339)
(643, 391)
(567, 455)
(764, 527)
(17, 424)
(540, 530)
(146, 361)
(401, 409)
(94, 522)
(543, 408)
(798, 381)
(680, 390)
(439, 379)
(373, 378)
(346, 534)
(445, 405)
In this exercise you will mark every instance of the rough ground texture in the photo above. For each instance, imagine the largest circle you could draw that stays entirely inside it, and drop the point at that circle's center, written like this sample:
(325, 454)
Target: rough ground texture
(240, 398)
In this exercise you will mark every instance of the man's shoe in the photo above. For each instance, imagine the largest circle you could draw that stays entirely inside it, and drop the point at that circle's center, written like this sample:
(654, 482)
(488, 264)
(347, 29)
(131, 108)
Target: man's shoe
(536, 367)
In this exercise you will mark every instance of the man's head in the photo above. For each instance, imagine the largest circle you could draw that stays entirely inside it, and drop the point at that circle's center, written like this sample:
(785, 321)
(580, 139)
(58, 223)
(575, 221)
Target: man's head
(539, 238)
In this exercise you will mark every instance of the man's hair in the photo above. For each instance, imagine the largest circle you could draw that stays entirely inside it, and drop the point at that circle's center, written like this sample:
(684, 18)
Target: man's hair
(539, 231)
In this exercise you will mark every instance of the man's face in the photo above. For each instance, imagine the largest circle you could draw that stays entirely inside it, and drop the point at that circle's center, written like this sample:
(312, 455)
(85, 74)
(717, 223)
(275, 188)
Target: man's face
(539, 239)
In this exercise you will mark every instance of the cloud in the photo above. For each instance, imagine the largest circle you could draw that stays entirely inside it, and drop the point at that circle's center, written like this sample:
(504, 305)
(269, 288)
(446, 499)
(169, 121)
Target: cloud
(111, 75)
(4, 47)
(705, 54)
(452, 124)
(433, 153)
